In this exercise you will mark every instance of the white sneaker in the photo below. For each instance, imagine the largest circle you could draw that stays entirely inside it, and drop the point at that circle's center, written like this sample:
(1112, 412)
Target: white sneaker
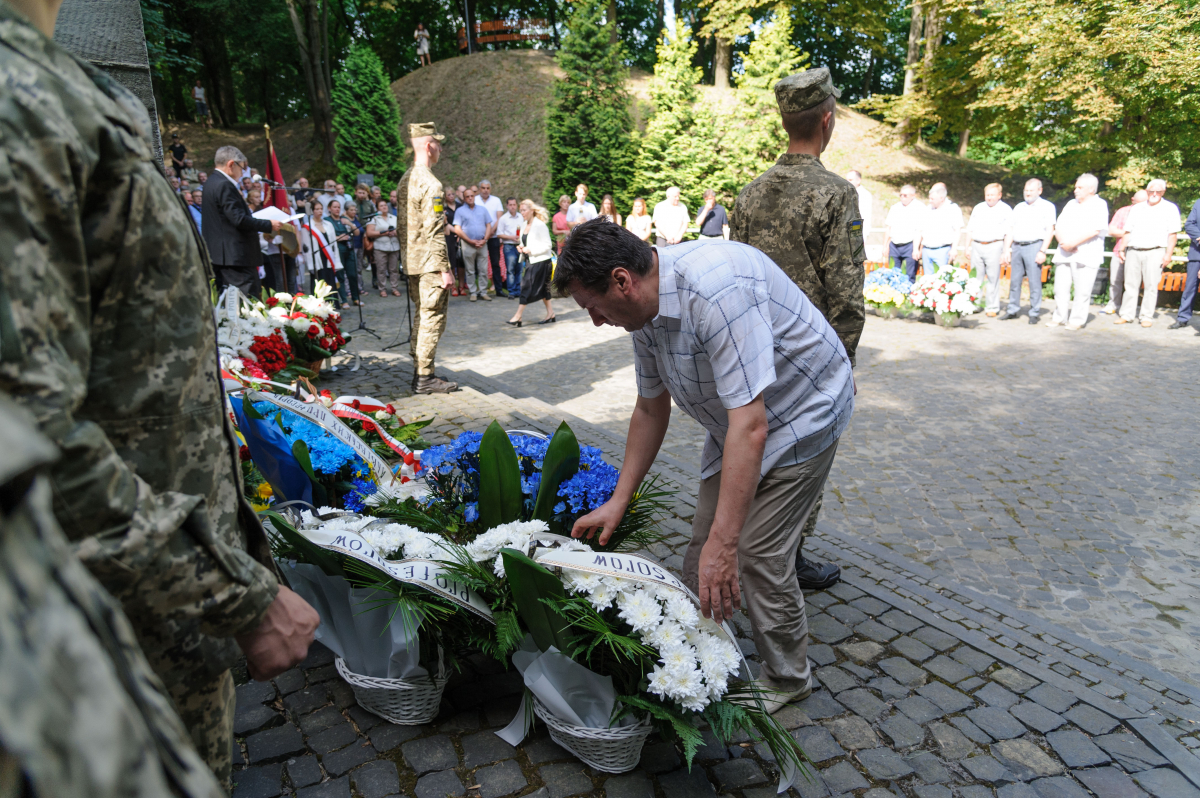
(1053, 323)
(775, 699)
(485, 297)
(1074, 327)
(1110, 309)
(474, 298)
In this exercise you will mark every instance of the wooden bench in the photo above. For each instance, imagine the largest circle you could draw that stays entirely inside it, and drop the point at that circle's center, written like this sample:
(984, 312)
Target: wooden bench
(1171, 281)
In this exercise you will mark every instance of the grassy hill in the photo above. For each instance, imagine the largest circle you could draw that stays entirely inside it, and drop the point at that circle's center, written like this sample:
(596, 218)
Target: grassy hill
(492, 108)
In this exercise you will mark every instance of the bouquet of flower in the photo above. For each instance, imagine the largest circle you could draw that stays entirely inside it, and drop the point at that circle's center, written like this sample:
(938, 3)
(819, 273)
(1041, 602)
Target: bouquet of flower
(892, 278)
(253, 346)
(309, 321)
(952, 290)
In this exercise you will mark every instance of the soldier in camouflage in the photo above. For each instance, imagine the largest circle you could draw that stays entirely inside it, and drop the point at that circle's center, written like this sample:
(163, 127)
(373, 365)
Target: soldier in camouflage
(806, 219)
(82, 715)
(107, 336)
(421, 222)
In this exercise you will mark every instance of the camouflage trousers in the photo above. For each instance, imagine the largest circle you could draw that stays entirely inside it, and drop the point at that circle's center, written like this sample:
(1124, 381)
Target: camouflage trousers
(206, 710)
(432, 300)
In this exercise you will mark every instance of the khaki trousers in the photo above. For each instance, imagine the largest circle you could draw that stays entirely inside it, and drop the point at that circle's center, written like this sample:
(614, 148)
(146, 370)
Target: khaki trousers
(767, 548)
(432, 300)
(1141, 266)
(387, 268)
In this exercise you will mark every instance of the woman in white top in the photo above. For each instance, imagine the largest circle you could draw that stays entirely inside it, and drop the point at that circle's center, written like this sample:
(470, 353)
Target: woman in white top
(422, 37)
(536, 246)
(608, 209)
(639, 222)
(318, 246)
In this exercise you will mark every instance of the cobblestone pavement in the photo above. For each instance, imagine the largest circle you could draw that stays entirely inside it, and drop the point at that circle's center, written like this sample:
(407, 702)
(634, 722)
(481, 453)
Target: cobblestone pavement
(1052, 471)
(924, 691)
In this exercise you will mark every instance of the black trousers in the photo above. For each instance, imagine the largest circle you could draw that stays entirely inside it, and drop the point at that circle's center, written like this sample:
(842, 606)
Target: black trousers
(244, 278)
(493, 245)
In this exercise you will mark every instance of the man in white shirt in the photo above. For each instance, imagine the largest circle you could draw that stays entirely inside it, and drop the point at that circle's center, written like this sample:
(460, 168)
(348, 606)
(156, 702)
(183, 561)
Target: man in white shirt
(580, 210)
(1151, 230)
(496, 209)
(866, 202)
(1029, 234)
(902, 231)
(990, 223)
(1080, 231)
(939, 235)
(1116, 264)
(508, 231)
(670, 219)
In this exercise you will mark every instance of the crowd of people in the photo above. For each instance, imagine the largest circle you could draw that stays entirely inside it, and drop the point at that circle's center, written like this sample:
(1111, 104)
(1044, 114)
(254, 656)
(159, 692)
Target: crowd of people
(930, 236)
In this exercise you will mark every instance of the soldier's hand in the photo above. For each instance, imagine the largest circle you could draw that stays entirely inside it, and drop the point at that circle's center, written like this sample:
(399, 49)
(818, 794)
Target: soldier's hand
(282, 638)
(447, 281)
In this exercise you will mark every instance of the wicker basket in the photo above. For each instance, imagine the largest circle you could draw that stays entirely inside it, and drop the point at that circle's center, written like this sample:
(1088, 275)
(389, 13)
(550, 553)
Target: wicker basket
(615, 750)
(395, 700)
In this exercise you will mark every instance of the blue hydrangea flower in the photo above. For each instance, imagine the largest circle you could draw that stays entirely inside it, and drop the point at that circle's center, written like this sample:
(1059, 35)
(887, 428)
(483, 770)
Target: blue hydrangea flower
(327, 453)
(471, 512)
(895, 278)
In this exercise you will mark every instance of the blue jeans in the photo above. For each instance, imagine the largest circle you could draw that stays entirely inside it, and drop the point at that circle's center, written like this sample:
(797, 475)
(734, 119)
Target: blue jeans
(1189, 292)
(934, 258)
(512, 262)
(1024, 264)
(903, 256)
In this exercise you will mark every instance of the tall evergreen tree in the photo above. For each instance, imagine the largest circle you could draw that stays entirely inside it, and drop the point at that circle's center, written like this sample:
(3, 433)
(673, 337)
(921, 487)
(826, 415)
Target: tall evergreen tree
(679, 147)
(367, 121)
(752, 137)
(589, 132)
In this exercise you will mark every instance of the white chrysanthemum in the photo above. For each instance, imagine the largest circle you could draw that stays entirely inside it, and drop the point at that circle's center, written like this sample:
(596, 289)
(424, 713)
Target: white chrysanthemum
(516, 535)
(300, 325)
(663, 635)
(416, 489)
(604, 595)
(687, 684)
(678, 658)
(580, 581)
(282, 297)
(681, 610)
(640, 610)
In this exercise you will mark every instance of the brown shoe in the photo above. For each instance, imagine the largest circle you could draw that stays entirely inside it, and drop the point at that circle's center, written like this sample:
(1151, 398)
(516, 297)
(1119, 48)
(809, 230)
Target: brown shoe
(991, 314)
(1146, 323)
(427, 383)
(396, 293)
(1120, 321)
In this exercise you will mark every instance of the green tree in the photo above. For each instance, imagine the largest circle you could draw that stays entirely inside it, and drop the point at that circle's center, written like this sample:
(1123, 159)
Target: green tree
(679, 146)
(367, 121)
(589, 132)
(752, 137)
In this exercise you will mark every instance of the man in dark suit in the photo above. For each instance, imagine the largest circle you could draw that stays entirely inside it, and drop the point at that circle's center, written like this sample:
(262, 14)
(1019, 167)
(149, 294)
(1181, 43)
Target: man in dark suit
(1192, 229)
(229, 230)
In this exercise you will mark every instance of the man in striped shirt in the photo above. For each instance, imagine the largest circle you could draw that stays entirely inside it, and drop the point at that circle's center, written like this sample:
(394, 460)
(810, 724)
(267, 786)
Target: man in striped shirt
(721, 330)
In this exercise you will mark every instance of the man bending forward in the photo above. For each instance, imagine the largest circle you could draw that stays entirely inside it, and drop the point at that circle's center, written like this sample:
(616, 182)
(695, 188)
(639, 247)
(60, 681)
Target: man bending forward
(721, 330)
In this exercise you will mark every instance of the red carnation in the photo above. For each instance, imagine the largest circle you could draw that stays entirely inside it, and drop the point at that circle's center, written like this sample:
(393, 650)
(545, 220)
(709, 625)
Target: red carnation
(244, 453)
(272, 301)
(391, 411)
(356, 404)
(313, 330)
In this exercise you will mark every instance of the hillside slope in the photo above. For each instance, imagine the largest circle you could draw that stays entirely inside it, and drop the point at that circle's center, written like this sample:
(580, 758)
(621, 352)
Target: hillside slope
(293, 145)
(492, 108)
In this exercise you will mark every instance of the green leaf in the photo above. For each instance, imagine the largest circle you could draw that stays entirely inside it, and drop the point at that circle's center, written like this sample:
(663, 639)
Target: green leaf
(300, 547)
(560, 464)
(249, 410)
(300, 452)
(530, 584)
(668, 719)
(500, 497)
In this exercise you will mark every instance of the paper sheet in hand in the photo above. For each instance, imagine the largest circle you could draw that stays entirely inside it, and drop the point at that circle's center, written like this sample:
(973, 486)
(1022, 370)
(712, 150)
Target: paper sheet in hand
(273, 214)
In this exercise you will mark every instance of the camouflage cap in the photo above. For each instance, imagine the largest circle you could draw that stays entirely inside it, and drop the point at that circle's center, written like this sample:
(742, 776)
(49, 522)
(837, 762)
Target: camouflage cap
(421, 129)
(803, 90)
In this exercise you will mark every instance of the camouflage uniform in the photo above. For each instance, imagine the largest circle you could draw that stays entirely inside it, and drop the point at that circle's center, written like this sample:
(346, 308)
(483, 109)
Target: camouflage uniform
(82, 714)
(105, 287)
(419, 200)
(806, 219)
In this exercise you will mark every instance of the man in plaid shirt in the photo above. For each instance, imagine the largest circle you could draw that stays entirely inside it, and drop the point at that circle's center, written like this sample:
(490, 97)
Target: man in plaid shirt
(721, 330)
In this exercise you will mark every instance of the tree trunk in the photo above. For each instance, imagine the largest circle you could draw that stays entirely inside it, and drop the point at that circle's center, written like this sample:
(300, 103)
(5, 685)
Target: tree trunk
(313, 62)
(472, 21)
(964, 138)
(613, 32)
(915, 28)
(934, 22)
(678, 13)
(905, 129)
(660, 16)
(866, 86)
(722, 63)
(554, 23)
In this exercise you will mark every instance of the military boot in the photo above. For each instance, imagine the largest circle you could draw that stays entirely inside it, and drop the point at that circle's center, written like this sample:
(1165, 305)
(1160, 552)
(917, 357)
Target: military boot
(427, 383)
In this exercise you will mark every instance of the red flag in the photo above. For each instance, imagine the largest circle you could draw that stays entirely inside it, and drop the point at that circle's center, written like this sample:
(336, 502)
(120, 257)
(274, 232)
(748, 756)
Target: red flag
(276, 197)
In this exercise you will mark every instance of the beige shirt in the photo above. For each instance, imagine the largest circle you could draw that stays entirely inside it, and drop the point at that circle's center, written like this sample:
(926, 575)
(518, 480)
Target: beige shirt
(421, 222)
(1150, 226)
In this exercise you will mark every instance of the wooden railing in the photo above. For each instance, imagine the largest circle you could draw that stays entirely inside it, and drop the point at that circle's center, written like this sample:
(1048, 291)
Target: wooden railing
(497, 31)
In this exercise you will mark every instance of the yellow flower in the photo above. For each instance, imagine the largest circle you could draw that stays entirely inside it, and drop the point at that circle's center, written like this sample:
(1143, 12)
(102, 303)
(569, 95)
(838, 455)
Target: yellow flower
(264, 491)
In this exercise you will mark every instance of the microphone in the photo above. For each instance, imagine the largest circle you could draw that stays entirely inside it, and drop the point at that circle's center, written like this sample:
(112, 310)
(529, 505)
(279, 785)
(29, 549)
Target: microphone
(272, 183)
